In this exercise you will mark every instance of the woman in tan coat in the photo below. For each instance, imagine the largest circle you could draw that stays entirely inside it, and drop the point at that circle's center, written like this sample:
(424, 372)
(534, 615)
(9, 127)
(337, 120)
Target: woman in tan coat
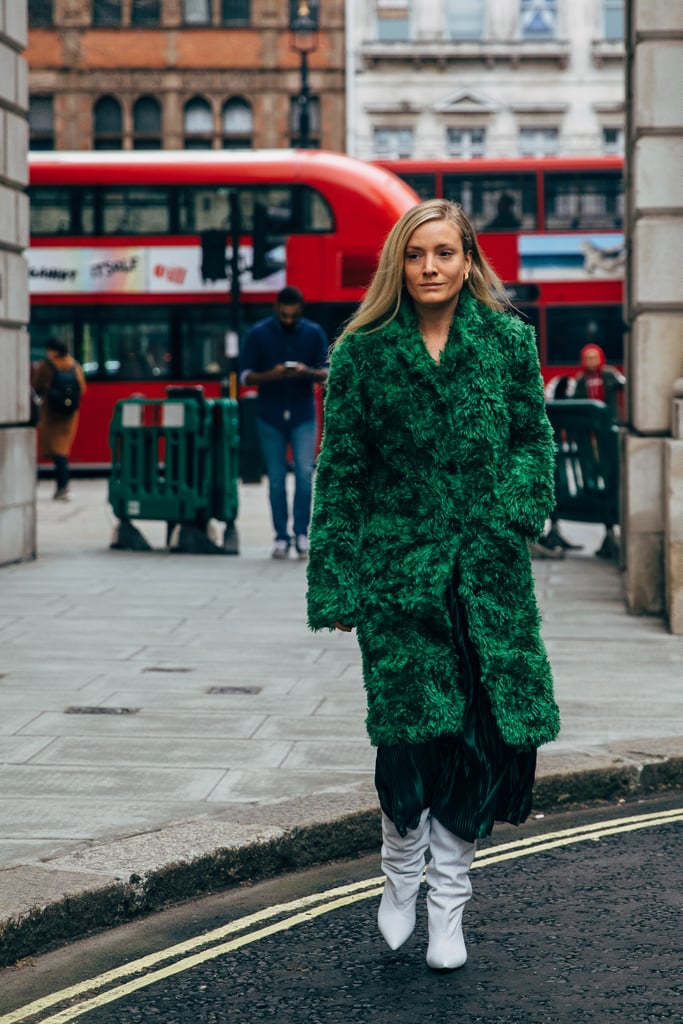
(59, 414)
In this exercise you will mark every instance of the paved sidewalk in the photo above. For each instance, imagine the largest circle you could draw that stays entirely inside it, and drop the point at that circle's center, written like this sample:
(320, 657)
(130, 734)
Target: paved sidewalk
(236, 746)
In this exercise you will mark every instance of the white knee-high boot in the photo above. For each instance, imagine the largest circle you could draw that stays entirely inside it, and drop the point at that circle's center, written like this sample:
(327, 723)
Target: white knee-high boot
(449, 890)
(403, 861)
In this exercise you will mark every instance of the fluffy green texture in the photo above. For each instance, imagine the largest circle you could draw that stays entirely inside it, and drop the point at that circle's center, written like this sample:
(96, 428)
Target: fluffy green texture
(425, 468)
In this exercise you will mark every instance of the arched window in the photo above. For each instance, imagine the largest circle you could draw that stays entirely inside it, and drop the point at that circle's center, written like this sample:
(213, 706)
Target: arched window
(235, 12)
(108, 124)
(196, 12)
(147, 123)
(41, 122)
(145, 12)
(40, 13)
(106, 13)
(238, 124)
(198, 124)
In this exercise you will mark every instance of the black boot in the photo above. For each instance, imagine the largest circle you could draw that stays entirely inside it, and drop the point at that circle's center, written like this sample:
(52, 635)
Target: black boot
(554, 539)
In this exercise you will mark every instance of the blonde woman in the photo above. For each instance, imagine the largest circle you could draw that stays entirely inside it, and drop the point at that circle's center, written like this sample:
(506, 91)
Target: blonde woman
(437, 465)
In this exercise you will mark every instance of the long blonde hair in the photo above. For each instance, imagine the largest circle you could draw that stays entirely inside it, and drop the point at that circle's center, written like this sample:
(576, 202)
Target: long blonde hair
(383, 297)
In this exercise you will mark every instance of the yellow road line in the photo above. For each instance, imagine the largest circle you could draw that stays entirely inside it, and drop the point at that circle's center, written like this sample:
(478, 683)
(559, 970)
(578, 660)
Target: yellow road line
(301, 911)
(112, 995)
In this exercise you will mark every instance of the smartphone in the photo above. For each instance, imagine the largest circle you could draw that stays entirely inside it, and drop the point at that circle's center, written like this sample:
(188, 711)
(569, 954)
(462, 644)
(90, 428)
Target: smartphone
(291, 366)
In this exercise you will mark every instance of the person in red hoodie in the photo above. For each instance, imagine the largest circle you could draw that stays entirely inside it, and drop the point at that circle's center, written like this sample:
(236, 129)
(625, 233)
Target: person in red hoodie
(601, 383)
(598, 381)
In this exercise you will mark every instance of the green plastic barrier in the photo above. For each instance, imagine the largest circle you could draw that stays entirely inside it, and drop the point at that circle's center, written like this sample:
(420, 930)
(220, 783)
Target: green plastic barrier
(225, 458)
(160, 459)
(176, 460)
(587, 461)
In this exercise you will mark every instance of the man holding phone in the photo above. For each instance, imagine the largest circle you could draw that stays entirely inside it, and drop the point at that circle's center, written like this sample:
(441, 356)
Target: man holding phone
(284, 356)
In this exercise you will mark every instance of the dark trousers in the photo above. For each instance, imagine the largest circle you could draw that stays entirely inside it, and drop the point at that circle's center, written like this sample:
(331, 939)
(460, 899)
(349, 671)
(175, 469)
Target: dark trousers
(61, 472)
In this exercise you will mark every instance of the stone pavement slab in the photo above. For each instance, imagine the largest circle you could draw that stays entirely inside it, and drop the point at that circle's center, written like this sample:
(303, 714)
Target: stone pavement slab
(237, 745)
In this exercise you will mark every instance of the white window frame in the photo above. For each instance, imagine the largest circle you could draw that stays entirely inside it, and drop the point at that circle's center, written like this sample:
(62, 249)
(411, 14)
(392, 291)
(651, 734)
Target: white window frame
(464, 25)
(401, 143)
(543, 140)
(472, 142)
(392, 20)
(613, 20)
(616, 146)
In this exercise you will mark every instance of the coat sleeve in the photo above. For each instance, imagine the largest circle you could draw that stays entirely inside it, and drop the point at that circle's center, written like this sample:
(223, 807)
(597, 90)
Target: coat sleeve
(529, 486)
(338, 498)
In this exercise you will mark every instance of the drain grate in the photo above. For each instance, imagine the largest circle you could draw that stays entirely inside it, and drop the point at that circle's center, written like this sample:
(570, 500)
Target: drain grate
(235, 689)
(166, 668)
(101, 711)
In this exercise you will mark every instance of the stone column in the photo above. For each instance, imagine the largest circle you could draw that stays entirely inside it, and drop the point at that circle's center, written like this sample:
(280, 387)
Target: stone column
(652, 451)
(17, 438)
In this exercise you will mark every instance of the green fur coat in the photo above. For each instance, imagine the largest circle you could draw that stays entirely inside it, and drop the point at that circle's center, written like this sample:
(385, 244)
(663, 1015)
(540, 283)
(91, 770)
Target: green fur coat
(427, 468)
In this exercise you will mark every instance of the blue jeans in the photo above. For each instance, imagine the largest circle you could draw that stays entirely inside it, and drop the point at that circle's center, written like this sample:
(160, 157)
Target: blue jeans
(274, 448)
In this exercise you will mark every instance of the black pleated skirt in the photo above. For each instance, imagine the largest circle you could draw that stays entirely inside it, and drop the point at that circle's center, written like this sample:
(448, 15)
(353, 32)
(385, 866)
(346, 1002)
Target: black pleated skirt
(469, 781)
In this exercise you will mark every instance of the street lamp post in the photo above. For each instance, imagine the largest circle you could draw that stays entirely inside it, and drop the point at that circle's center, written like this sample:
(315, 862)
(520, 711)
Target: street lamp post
(303, 28)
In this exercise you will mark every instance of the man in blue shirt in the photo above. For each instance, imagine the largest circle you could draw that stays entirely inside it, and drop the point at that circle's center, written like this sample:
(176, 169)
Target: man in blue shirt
(284, 356)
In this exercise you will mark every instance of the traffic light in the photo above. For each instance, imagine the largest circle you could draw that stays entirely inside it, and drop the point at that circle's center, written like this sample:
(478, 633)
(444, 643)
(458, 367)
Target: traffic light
(270, 224)
(213, 243)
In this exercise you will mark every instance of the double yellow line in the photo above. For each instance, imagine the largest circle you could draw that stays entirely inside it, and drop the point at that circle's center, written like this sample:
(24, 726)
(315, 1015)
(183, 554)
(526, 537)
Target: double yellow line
(183, 956)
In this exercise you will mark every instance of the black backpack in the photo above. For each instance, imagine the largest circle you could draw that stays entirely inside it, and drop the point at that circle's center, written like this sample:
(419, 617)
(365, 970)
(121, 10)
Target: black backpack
(64, 394)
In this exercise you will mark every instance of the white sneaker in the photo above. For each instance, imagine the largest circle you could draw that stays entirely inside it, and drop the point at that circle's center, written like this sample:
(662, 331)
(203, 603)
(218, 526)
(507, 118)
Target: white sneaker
(302, 545)
(281, 549)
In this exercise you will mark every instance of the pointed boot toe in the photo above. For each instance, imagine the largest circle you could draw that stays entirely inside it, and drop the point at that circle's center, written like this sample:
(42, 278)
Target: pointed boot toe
(447, 951)
(396, 924)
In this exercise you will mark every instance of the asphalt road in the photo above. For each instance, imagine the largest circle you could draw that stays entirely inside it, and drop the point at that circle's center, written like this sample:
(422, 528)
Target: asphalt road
(575, 918)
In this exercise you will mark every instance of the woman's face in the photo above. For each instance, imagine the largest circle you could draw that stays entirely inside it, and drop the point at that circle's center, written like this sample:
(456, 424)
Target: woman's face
(435, 264)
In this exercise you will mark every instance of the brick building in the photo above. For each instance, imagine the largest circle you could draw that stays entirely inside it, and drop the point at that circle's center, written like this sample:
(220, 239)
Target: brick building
(173, 74)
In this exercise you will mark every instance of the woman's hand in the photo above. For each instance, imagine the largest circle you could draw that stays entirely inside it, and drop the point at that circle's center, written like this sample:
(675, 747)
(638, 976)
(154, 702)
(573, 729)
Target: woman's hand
(344, 629)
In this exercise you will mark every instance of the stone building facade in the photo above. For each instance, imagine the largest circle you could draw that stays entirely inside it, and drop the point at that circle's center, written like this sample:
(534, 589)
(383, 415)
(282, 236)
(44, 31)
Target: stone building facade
(17, 437)
(652, 450)
(173, 74)
(496, 78)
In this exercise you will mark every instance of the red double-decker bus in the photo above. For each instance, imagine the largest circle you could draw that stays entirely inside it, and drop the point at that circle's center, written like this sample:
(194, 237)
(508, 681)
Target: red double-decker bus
(553, 230)
(115, 260)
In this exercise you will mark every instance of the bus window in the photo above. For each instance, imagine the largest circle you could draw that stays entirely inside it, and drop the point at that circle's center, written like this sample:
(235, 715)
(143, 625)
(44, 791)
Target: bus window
(134, 211)
(278, 198)
(423, 184)
(584, 201)
(569, 328)
(135, 350)
(316, 213)
(501, 202)
(51, 322)
(202, 208)
(529, 314)
(204, 338)
(50, 211)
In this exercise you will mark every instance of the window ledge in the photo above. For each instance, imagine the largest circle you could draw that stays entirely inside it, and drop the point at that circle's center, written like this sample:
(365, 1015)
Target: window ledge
(440, 52)
(605, 50)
